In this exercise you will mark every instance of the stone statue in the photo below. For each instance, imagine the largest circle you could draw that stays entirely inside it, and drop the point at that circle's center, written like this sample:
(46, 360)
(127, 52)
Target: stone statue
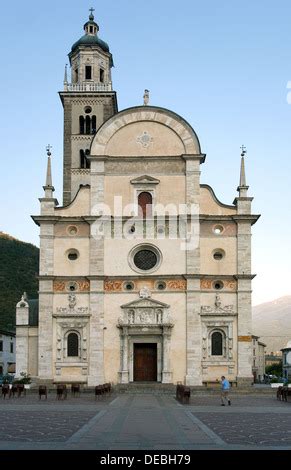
(146, 97)
(72, 301)
(145, 293)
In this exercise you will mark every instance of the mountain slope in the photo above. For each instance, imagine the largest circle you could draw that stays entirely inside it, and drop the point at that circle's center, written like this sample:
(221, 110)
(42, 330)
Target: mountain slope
(18, 270)
(272, 322)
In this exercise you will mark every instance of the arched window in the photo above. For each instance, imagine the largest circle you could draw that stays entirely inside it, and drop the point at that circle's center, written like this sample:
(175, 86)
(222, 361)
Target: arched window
(87, 162)
(82, 159)
(73, 345)
(216, 344)
(88, 125)
(82, 124)
(145, 201)
(93, 124)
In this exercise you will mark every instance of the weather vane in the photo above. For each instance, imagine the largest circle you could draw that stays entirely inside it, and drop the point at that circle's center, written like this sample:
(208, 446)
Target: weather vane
(48, 150)
(243, 150)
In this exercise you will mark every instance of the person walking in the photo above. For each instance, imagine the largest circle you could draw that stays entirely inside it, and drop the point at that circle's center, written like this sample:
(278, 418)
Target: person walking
(225, 387)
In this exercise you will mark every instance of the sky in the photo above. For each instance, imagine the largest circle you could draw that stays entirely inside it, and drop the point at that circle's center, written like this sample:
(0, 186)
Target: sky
(223, 66)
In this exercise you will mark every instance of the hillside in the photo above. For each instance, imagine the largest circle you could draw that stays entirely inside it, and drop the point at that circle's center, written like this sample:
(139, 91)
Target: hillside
(18, 270)
(272, 322)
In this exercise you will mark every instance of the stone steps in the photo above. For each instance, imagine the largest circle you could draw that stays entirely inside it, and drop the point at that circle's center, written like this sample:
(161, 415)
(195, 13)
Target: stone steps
(153, 388)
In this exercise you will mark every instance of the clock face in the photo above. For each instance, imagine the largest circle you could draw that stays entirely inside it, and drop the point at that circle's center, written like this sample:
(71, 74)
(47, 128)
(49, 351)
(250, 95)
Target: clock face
(288, 357)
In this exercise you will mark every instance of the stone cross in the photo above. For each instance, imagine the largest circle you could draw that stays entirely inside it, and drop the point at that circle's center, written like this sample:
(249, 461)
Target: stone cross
(48, 150)
(243, 150)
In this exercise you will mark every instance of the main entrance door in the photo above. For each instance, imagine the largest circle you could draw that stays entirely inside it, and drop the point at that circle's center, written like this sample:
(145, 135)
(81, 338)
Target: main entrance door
(145, 362)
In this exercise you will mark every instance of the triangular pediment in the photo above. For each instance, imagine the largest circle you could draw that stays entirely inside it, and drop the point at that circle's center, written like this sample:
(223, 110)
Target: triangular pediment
(145, 179)
(145, 303)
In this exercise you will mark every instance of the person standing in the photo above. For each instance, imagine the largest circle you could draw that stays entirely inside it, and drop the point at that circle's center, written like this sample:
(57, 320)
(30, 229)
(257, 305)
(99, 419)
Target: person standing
(225, 387)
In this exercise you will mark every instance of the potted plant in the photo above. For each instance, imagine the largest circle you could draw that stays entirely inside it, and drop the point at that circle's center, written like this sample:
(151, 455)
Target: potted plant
(24, 379)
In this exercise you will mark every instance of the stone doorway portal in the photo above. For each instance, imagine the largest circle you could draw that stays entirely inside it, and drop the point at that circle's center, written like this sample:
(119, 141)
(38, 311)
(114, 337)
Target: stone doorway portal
(145, 362)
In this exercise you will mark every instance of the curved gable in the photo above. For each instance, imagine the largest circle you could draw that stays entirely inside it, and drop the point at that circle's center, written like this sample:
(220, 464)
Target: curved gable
(145, 131)
(210, 205)
(79, 206)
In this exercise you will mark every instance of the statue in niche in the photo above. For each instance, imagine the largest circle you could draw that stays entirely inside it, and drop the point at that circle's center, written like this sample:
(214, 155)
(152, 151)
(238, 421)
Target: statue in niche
(217, 301)
(131, 317)
(159, 316)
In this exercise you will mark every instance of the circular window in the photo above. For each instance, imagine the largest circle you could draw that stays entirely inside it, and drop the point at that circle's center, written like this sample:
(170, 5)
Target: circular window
(218, 255)
(218, 285)
(145, 258)
(72, 286)
(132, 229)
(218, 229)
(88, 109)
(160, 230)
(72, 230)
(73, 255)
(128, 285)
(161, 285)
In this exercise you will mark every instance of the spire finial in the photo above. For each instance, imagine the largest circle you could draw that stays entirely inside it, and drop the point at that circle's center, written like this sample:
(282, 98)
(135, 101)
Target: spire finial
(66, 74)
(48, 184)
(91, 16)
(146, 97)
(48, 150)
(242, 187)
(242, 180)
(243, 150)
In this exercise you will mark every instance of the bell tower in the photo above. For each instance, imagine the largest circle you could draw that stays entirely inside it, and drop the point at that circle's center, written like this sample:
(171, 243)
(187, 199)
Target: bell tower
(88, 101)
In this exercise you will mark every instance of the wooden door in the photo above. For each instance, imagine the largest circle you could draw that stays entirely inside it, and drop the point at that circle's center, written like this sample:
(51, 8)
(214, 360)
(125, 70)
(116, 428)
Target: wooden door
(145, 362)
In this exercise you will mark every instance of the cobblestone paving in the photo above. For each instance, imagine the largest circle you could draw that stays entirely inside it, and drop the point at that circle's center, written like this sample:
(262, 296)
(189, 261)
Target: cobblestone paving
(35, 426)
(144, 421)
(241, 400)
(248, 428)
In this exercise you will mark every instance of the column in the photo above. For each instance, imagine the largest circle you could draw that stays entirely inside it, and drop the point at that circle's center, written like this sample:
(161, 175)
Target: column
(244, 303)
(124, 374)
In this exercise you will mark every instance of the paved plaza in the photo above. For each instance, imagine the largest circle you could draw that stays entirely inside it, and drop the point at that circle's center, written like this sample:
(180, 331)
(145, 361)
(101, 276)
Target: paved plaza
(144, 421)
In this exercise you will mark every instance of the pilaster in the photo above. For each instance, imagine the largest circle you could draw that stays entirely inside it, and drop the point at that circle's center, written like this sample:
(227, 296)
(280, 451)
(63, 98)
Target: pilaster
(193, 322)
(96, 349)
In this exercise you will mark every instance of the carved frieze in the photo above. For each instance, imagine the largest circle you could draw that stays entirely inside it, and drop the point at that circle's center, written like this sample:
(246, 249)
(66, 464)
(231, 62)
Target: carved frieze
(59, 286)
(118, 285)
(82, 285)
(217, 309)
(229, 284)
(145, 312)
(71, 310)
(177, 284)
(113, 286)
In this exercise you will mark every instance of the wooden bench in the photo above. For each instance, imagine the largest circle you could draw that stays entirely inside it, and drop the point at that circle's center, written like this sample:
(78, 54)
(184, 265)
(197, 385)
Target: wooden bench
(42, 391)
(75, 389)
(101, 390)
(61, 391)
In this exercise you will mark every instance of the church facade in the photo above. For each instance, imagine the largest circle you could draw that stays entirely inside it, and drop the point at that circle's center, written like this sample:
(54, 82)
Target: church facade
(144, 274)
